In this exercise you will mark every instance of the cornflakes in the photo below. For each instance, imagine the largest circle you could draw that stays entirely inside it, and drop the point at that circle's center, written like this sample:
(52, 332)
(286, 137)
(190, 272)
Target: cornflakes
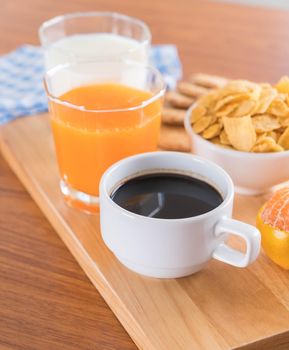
(241, 132)
(245, 116)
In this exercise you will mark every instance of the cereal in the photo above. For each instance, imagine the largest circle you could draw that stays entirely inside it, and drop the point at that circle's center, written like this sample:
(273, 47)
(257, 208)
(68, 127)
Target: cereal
(224, 138)
(241, 132)
(202, 124)
(274, 135)
(266, 97)
(284, 139)
(278, 107)
(212, 131)
(284, 121)
(261, 137)
(226, 146)
(214, 119)
(230, 99)
(266, 144)
(216, 141)
(197, 113)
(208, 100)
(245, 116)
(265, 123)
(227, 109)
(244, 108)
(242, 86)
(283, 85)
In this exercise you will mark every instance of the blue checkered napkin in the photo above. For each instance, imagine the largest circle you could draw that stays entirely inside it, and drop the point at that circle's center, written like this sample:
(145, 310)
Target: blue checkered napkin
(166, 59)
(21, 78)
(21, 83)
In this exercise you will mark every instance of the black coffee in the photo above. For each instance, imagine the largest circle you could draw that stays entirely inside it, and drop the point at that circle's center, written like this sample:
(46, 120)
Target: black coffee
(167, 196)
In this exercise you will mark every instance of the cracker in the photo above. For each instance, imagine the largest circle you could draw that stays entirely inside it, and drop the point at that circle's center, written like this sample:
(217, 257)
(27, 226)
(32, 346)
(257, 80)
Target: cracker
(208, 81)
(191, 90)
(178, 100)
(173, 116)
(174, 138)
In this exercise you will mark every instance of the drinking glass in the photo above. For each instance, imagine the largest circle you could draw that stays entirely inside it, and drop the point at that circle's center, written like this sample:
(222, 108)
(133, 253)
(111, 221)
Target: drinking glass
(88, 36)
(89, 136)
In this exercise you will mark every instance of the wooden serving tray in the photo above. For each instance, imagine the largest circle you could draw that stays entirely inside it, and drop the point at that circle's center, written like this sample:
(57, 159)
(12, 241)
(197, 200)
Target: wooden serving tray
(221, 307)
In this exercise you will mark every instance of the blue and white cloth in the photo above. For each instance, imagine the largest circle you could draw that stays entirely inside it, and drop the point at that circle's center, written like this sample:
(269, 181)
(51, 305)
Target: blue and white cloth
(166, 59)
(21, 78)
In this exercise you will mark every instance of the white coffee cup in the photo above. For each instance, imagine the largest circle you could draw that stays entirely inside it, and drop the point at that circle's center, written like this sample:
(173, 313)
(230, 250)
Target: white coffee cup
(169, 248)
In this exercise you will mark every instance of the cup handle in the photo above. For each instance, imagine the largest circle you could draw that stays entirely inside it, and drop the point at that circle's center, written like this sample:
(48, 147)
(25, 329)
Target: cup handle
(232, 256)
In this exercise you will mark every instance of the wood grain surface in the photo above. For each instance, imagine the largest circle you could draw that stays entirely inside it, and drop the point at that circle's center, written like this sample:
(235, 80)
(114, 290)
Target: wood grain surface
(220, 308)
(45, 299)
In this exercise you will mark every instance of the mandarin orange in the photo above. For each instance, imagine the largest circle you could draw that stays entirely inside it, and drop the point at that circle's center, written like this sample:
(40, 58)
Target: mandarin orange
(273, 223)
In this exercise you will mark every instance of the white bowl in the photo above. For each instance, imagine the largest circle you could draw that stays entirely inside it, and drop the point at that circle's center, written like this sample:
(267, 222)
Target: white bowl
(252, 173)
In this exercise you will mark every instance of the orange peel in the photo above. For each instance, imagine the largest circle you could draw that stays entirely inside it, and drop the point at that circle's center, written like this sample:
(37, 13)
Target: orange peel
(273, 223)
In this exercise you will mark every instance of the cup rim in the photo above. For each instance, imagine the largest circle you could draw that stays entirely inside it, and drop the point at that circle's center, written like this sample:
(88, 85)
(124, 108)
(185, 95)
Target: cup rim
(229, 152)
(55, 99)
(61, 18)
(104, 192)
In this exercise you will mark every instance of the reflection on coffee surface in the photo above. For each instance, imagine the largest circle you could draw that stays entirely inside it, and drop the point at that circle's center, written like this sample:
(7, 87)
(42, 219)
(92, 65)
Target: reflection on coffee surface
(167, 196)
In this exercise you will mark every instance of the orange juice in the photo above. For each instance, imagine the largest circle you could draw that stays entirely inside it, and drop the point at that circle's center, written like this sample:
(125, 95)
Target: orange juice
(106, 122)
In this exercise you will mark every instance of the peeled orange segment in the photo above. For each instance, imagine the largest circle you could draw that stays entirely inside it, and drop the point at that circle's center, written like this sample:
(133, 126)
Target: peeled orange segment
(273, 223)
(276, 210)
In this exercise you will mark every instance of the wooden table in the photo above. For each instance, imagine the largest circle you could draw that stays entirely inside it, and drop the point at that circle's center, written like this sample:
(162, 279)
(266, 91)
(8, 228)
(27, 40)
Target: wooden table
(46, 301)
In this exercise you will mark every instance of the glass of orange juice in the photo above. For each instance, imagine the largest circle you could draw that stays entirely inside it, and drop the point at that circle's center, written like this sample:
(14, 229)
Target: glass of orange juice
(101, 112)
